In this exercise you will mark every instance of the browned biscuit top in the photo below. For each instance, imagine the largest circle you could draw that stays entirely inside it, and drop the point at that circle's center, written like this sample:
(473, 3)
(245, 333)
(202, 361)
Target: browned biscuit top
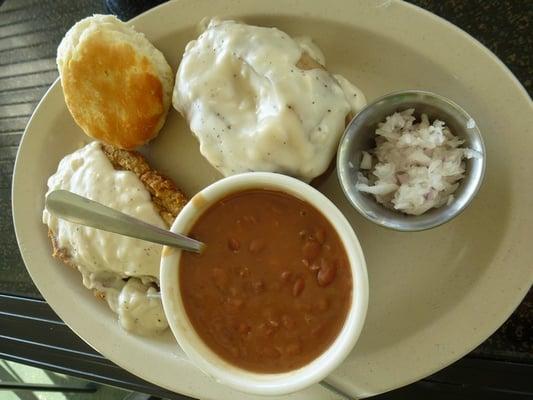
(113, 93)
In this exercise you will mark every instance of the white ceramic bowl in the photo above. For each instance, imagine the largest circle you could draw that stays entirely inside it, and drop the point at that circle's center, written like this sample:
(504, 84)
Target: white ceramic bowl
(192, 344)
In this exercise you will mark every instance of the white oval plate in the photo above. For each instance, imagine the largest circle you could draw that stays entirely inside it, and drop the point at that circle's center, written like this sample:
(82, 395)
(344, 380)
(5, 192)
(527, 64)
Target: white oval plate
(434, 295)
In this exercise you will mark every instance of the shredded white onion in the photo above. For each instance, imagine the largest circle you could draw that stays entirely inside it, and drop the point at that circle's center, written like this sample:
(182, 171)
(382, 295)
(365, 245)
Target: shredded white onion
(416, 165)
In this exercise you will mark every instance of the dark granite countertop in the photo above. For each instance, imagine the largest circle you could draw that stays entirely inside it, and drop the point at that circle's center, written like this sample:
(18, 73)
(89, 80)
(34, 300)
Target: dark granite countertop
(27, 68)
(503, 26)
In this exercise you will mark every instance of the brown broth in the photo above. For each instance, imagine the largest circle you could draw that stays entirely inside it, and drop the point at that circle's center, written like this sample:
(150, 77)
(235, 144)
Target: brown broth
(272, 290)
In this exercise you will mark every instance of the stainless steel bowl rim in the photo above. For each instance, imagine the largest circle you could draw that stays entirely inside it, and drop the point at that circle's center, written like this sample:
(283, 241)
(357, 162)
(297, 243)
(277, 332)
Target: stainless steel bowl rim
(397, 220)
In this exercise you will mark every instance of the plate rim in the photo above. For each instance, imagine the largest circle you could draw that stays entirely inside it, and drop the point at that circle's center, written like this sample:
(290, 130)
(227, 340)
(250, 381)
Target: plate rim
(426, 14)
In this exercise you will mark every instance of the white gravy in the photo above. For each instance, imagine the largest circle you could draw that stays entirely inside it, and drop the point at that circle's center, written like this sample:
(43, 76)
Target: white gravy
(252, 109)
(104, 259)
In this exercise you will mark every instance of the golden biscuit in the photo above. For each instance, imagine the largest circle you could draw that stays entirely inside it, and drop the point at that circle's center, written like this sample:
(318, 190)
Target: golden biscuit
(117, 86)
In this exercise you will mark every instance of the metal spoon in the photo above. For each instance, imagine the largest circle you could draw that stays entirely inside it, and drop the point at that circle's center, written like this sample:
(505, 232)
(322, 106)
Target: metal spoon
(81, 210)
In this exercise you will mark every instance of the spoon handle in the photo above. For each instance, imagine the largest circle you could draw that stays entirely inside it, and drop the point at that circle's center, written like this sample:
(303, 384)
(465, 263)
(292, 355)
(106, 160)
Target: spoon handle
(83, 211)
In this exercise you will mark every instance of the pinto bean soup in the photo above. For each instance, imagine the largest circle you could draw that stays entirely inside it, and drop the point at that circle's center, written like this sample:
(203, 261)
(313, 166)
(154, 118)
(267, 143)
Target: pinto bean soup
(273, 288)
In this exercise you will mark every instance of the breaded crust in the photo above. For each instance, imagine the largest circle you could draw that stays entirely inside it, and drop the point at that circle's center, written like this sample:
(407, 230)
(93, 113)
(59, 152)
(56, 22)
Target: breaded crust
(167, 198)
(58, 253)
(306, 62)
